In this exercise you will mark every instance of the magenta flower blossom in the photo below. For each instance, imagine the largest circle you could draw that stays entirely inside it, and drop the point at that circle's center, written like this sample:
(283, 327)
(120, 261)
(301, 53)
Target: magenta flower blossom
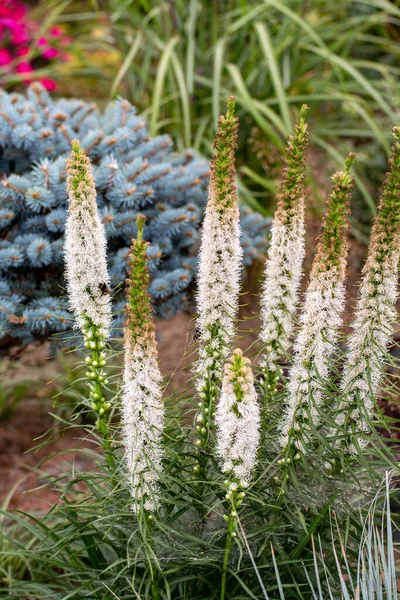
(12, 8)
(17, 32)
(56, 31)
(5, 57)
(23, 68)
(48, 84)
(50, 53)
(23, 51)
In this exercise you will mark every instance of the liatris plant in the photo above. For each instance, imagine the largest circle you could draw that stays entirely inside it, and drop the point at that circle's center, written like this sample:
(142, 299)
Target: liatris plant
(142, 405)
(220, 263)
(87, 275)
(375, 315)
(270, 501)
(283, 268)
(133, 173)
(321, 319)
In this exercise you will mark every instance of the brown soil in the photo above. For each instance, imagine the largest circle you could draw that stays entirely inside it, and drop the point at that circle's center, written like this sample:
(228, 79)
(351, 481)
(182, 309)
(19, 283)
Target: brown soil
(25, 427)
(21, 479)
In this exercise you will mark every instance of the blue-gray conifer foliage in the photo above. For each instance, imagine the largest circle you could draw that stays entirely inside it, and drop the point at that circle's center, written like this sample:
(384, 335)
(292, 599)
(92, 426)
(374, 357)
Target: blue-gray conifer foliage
(133, 173)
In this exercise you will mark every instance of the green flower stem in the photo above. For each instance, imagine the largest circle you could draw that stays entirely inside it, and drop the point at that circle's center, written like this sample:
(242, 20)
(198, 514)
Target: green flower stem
(267, 387)
(231, 527)
(154, 570)
(236, 498)
(204, 429)
(209, 395)
(97, 380)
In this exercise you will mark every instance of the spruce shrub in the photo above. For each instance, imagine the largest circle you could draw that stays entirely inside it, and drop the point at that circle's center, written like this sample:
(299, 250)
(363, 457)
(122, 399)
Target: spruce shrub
(134, 174)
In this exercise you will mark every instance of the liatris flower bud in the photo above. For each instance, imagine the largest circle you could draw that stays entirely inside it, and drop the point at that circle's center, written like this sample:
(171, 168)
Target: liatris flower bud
(283, 268)
(142, 407)
(220, 262)
(85, 247)
(375, 314)
(320, 320)
(87, 276)
(238, 421)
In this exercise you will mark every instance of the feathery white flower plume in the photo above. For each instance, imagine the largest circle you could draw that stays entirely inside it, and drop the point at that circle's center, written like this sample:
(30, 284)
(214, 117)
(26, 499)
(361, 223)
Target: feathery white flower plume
(220, 263)
(219, 285)
(320, 319)
(238, 420)
(142, 404)
(85, 247)
(375, 314)
(220, 256)
(283, 268)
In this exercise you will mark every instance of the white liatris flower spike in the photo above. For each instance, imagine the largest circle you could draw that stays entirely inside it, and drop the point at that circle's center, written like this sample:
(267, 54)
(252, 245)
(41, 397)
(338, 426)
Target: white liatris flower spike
(85, 247)
(321, 320)
(88, 280)
(142, 403)
(375, 314)
(238, 421)
(283, 268)
(220, 263)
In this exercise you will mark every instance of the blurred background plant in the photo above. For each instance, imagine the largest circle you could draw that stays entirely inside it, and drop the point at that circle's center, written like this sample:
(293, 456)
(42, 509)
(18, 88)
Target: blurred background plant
(177, 61)
(28, 47)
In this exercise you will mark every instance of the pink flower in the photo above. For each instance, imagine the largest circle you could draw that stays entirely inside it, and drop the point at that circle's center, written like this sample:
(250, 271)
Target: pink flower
(49, 84)
(19, 35)
(56, 31)
(12, 8)
(24, 67)
(23, 51)
(49, 53)
(5, 57)
(18, 32)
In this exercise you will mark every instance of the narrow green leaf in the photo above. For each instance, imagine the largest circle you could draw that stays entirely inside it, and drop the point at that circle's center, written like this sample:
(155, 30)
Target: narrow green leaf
(269, 53)
(159, 84)
(217, 73)
(136, 45)
(248, 102)
(184, 96)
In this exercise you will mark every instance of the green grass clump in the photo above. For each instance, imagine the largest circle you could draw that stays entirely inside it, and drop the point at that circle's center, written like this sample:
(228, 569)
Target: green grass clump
(180, 60)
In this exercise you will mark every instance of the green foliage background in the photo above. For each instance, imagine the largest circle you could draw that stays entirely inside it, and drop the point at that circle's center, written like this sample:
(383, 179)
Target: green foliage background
(178, 60)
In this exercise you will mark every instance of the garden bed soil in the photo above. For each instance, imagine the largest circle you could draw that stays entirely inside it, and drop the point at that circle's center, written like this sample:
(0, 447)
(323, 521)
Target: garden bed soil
(25, 427)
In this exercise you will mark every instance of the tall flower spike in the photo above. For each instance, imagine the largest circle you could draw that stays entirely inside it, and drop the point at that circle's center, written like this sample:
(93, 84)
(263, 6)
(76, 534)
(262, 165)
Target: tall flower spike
(320, 320)
(283, 268)
(142, 405)
(85, 247)
(87, 276)
(220, 262)
(375, 314)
